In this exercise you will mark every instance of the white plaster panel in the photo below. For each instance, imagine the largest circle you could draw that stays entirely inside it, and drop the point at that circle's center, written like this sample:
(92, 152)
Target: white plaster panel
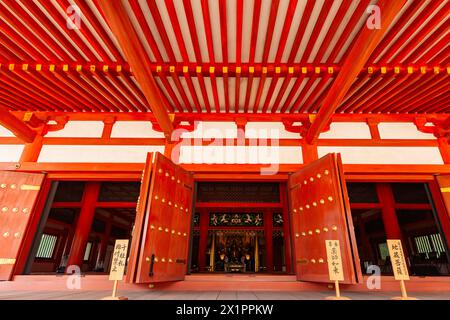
(402, 130)
(213, 130)
(134, 129)
(240, 155)
(268, 129)
(385, 155)
(10, 152)
(96, 154)
(79, 129)
(5, 132)
(347, 130)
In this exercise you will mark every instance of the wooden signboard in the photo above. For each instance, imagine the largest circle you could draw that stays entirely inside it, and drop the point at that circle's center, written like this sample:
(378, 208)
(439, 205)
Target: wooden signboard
(334, 259)
(118, 263)
(399, 267)
(335, 269)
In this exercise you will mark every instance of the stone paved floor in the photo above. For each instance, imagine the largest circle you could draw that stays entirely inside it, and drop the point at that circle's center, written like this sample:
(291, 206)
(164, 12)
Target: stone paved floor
(207, 295)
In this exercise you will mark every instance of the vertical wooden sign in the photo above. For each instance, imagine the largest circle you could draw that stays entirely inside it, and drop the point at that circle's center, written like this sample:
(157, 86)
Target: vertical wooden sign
(335, 269)
(399, 267)
(118, 264)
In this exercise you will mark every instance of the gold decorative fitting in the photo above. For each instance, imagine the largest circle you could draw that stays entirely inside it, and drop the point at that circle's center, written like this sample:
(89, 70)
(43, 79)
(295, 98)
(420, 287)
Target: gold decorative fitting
(304, 234)
(178, 181)
(170, 260)
(181, 208)
(317, 231)
(25, 210)
(330, 198)
(307, 206)
(186, 210)
(3, 185)
(297, 235)
(5, 209)
(13, 186)
(295, 210)
(184, 234)
(173, 231)
(163, 200)
(17, 235)
(319, 176)
(170, 203)
(179, 233)
(6, 234)
(152, 227)
(160, 171)
(15, 210)
(322, 201)
(166, 229)
(334, 228)
(175, 205)
(315, 204)
(310, 232)
(321, 260)
(301, 208)
(147, 259)
(156, 259)
(327, 172)
(173, 178)
(160, 229)
(163, 260)
(325, 229)
(313, 260)
(156, 197)
(311, 179)
(305, 182)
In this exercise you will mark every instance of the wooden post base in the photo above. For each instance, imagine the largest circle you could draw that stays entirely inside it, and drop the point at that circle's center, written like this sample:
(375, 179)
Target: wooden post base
(114, 298)
(337, 298)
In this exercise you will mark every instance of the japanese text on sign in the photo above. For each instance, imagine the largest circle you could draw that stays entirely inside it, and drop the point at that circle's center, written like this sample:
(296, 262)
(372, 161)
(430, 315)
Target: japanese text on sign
(398, 260)
(334, 260)
(119, 260)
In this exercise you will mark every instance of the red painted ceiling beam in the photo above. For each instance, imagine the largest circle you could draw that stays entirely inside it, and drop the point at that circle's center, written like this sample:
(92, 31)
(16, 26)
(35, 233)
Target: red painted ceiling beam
(17, 127)
(365, 44)
(137, 58)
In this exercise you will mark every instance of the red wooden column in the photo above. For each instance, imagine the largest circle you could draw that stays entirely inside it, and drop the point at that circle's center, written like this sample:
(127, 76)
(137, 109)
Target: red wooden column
(104, 243)
(84, 224)
(32, 150)
(268, 234)
(203, 241)
(286, 229)
(444, 149)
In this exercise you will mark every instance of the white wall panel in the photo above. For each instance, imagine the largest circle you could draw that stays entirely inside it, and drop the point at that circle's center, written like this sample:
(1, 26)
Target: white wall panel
(347, 130)
(402, 130)
(97, 154)
(386, 155)
(134, 129)
(5, 132)
(79, 129)
(10, 152)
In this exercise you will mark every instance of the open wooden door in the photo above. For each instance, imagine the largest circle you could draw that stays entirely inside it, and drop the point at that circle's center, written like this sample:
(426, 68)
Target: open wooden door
(163, 223)
(18, 195)
(320, 211)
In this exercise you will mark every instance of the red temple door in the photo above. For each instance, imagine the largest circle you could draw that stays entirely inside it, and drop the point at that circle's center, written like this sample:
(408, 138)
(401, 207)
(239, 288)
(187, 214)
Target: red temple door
(163, 223)
(320, 211)
(18, 195)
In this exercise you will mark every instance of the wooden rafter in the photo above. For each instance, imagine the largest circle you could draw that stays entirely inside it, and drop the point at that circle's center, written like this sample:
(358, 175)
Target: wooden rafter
(17, 127)
(360, 53)
(138, 59)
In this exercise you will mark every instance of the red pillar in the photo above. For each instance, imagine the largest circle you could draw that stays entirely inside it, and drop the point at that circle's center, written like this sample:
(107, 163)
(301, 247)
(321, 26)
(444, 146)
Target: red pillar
(389, 216)
(268, 230)
(104, 244)
(203, 241)
(32, 150)
(84, 224)
(286, 228)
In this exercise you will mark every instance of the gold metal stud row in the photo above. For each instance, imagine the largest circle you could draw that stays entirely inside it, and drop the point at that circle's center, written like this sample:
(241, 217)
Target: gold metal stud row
(317, 231)
(167, 230)
(312, 205)
(170, 203)
(14, 210)
(318, 176)
(167, 174)
(163, 259)
(7, 234)
(314, 261)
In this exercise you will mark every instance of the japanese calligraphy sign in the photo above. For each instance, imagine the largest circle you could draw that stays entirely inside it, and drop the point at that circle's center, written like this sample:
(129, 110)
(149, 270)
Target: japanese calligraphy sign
(119, 260)
(334, 260)
(398, 261)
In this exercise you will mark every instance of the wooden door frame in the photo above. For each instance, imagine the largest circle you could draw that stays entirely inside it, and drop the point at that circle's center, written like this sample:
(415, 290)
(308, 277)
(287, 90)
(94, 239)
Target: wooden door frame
(222, 172)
